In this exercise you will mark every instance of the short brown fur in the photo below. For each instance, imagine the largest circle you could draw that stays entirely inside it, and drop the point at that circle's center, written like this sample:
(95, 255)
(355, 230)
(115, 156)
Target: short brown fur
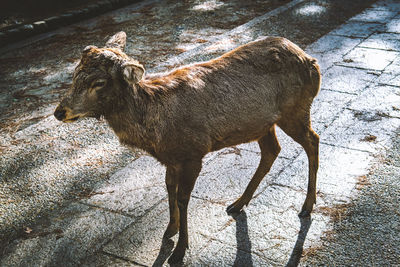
(179, 117)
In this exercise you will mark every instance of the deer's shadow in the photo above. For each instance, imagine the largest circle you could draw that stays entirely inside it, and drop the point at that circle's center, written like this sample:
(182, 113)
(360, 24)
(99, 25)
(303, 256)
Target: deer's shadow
(244, 253)
(165, 251)
(243, 243)
(305, 223)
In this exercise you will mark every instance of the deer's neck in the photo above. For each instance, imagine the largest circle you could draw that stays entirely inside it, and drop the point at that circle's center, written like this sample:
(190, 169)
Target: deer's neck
(135, 122)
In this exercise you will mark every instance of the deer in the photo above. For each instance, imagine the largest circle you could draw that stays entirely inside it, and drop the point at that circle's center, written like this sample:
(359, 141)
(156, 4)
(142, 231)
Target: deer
(181, 115)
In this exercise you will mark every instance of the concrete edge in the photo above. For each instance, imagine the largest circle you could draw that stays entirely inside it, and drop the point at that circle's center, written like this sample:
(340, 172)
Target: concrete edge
(24, 31)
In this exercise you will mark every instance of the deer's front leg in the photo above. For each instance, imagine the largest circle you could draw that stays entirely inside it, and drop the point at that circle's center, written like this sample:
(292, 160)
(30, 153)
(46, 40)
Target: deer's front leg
(171, 180)
(187, 178)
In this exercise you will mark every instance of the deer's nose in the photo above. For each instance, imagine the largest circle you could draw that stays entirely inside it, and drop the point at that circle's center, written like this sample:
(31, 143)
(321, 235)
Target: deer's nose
(59, 113)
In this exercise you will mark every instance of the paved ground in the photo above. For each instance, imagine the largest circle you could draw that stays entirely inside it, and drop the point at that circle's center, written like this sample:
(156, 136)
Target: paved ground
(71, 195)
(366, 232)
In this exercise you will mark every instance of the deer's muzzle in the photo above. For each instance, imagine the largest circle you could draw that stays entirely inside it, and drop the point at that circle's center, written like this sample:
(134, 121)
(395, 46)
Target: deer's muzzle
(65, 114)
(60, 113)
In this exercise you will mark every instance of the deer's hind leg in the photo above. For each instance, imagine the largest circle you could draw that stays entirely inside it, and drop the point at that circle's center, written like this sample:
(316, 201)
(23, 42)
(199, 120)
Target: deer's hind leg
(298, 127)
(270, 149)
(171, 180)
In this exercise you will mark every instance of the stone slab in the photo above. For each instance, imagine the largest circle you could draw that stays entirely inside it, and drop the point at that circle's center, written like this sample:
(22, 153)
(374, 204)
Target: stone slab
(289, 148)
(330, 49)
(337, 176)
(221, 254)
(132, 190)
(383, 100)
(346, 80)
(366, 234)
(390, 78)
(365, 131)
(374, 115)
(358, 29)
(391, 74)
(326, 107)
(269, 227)
(367, 58)
(392, 5)
(263, 231)
(384, 41)
(142, 241)
(101, 259)
(77, 232)
(393, 26)
(375, 15)
(225, 178)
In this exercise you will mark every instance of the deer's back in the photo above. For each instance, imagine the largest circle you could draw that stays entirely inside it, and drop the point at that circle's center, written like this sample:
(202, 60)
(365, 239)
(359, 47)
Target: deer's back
(237, 97)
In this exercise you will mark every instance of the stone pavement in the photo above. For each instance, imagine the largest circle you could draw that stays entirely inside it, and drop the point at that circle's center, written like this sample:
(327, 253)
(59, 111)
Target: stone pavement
(122, 220)
(366, 232)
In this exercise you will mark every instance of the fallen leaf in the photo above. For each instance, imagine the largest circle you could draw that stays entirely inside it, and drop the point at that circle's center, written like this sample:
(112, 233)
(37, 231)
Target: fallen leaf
(348, 60)
(369, 138)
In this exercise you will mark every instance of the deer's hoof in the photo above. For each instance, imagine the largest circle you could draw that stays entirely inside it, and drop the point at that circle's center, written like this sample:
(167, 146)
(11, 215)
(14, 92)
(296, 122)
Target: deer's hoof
(232, 209)
(304, 213)
(176, 257)
(306, 209)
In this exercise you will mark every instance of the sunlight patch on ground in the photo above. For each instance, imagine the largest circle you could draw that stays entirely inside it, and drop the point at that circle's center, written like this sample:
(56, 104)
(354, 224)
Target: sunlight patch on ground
(222, 45)
(208, 5)
(310, 10)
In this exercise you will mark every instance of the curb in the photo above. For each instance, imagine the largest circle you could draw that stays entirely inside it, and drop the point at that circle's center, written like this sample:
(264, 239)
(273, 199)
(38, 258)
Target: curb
(8, 36)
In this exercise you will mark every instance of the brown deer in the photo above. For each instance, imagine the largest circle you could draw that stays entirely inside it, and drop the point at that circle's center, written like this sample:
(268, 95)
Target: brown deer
(180, 116)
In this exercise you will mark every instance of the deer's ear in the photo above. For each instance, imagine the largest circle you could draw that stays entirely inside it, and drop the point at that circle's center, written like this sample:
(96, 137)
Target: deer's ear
(88, 49)
(132, 72)
(118, 40)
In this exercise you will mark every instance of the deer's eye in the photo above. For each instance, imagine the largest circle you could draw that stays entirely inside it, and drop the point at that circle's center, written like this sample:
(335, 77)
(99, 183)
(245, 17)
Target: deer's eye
(98, 84)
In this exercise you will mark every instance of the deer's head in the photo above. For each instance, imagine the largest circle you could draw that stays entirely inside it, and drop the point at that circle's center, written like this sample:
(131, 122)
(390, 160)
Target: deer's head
(97, 81)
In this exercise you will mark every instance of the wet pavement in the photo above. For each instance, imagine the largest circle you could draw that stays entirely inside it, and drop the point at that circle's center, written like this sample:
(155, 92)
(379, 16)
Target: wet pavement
(71, 195)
